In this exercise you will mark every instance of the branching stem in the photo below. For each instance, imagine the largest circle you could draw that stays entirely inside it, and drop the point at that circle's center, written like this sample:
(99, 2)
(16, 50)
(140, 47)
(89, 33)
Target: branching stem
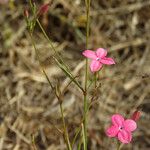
(86, 75)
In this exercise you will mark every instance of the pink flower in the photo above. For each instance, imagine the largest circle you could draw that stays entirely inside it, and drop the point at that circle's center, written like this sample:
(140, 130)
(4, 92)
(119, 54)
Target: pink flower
(121, 128)
(98, 59)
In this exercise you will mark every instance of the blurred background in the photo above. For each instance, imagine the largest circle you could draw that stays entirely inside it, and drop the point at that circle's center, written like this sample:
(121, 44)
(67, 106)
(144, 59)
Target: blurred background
(28, 106)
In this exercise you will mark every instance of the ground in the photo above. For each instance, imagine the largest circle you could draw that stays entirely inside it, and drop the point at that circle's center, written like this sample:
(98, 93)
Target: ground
(28, 107)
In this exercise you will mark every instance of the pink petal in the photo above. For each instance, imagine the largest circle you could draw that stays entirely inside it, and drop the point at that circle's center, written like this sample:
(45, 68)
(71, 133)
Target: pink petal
(130, 125)
(117, 120)
(100, 52)
(112, 131)
(89, 54)
(95, 66)
(107, 61)
(124, 136)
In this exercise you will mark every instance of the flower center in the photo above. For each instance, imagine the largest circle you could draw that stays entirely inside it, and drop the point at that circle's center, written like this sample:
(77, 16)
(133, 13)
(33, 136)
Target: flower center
(98, 59)
(121, 128)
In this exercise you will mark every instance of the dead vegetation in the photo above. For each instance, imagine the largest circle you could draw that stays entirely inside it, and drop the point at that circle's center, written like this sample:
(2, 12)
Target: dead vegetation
(27, 105)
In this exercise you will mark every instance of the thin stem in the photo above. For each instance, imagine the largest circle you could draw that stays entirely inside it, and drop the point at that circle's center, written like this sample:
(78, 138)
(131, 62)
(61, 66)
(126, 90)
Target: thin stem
(33, 143)
(80, 142)
(51, 45)
(119, 146)
(53, 88)
(60, 102)
(66, 67)
(86, 74)
(65, 129)
(76, 135)
(30, 2)
(38, 57)
(68, 74)
(46, 36)
(95, 79)
(83, 136)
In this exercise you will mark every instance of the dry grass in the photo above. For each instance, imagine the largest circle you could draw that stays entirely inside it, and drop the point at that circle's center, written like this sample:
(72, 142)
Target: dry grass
(28, 106)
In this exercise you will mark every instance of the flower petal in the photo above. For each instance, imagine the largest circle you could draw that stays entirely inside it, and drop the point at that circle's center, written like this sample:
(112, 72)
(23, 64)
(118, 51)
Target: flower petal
(112, 131)
(107, 61)
(130, 125)
(95, 66)
(117, 120)
(100, 52)
(124, 136)
(89, 54)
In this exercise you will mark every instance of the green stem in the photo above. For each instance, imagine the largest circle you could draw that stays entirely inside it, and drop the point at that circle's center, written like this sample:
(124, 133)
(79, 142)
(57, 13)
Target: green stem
(76, 135)
(53, 88)
(83, 136)
(38, 57)
(46, 36)
(61, 108)
(65, 66)
(30, 2)
(119, 146)
(80, 143)
(86, 74)
(68, 74)
(52, 47)
(51, 44)
(65, 128)
(95, 79)
(33, 143)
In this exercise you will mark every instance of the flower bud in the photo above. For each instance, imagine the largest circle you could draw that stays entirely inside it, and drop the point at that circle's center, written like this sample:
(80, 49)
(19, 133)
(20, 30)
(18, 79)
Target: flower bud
(136, 115)
(43, 9)
(26, 13)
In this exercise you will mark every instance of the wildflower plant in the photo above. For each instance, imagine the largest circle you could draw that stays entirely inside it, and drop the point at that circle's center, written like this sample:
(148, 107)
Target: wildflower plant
(120, 128)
